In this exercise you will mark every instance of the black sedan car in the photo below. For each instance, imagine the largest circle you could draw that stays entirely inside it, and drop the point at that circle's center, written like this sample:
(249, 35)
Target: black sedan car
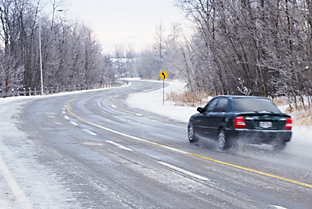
(248, 119)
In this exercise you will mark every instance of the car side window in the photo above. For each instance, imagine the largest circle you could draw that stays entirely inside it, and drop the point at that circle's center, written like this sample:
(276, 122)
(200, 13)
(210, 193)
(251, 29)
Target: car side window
(222, 105)
(211, 105)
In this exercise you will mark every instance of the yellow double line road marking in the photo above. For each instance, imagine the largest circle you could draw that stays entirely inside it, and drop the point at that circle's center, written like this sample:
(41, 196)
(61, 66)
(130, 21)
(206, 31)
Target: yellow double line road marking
(187, 153)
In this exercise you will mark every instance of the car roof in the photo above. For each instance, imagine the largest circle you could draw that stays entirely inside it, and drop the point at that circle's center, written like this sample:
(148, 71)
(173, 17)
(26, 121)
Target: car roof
(240, 96)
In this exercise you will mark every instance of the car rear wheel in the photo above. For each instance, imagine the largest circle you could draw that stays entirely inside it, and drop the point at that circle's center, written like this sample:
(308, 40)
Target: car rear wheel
(222, 143)
(191, 133)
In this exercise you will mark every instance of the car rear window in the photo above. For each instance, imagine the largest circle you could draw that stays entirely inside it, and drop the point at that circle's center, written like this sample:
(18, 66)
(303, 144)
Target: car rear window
(253, 105)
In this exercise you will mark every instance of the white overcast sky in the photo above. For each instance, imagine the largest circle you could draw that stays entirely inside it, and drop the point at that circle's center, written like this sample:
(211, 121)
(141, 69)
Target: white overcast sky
(126, 22)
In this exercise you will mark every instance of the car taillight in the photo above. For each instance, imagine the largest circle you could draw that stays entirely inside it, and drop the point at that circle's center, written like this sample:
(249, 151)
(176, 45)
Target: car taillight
(288, 125)
(239, 122)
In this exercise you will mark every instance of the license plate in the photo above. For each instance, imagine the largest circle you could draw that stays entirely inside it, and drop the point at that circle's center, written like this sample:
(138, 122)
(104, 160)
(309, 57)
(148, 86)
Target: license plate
(265, 124)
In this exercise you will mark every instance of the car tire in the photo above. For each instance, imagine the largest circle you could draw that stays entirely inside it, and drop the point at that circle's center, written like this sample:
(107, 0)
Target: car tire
(191, 133)
(222, 141)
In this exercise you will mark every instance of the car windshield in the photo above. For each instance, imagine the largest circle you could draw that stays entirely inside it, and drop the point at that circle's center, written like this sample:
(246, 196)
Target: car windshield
(254, 105)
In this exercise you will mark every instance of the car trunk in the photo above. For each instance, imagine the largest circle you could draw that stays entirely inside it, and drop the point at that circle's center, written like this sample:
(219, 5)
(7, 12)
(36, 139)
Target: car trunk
(265, 121)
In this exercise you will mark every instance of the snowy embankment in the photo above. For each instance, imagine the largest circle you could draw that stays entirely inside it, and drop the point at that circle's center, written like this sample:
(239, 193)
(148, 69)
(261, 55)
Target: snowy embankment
(153, 102)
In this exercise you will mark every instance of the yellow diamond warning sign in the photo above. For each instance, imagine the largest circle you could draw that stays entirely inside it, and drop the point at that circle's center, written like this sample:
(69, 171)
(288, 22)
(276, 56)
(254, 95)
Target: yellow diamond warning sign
(163, 75)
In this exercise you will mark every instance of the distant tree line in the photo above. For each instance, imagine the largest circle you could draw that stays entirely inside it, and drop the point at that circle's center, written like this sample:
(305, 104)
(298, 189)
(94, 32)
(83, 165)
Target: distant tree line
(70, 53)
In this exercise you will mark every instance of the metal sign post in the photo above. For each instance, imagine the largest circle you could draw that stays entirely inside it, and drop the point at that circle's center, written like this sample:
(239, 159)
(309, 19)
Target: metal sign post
(163, 75)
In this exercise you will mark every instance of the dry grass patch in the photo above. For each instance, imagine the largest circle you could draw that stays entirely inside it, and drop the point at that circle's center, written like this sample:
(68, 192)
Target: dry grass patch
(302, 115)
(188, 98)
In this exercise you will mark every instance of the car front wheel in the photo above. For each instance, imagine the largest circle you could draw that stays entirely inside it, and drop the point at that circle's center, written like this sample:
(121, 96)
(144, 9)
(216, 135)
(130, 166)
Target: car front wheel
(191, 133)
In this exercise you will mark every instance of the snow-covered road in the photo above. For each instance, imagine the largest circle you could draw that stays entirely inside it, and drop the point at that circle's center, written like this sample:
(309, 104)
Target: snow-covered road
(32, 170)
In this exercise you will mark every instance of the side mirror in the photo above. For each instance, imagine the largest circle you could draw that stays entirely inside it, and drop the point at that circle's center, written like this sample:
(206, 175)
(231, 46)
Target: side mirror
(200, 109)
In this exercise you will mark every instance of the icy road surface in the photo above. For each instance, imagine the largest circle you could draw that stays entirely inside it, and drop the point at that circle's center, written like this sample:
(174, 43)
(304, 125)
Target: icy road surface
(98, 149)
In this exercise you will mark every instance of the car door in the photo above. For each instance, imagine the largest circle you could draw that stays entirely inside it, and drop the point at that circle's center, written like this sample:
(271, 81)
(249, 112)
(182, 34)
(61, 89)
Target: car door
(217, 117)
(204, 121)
